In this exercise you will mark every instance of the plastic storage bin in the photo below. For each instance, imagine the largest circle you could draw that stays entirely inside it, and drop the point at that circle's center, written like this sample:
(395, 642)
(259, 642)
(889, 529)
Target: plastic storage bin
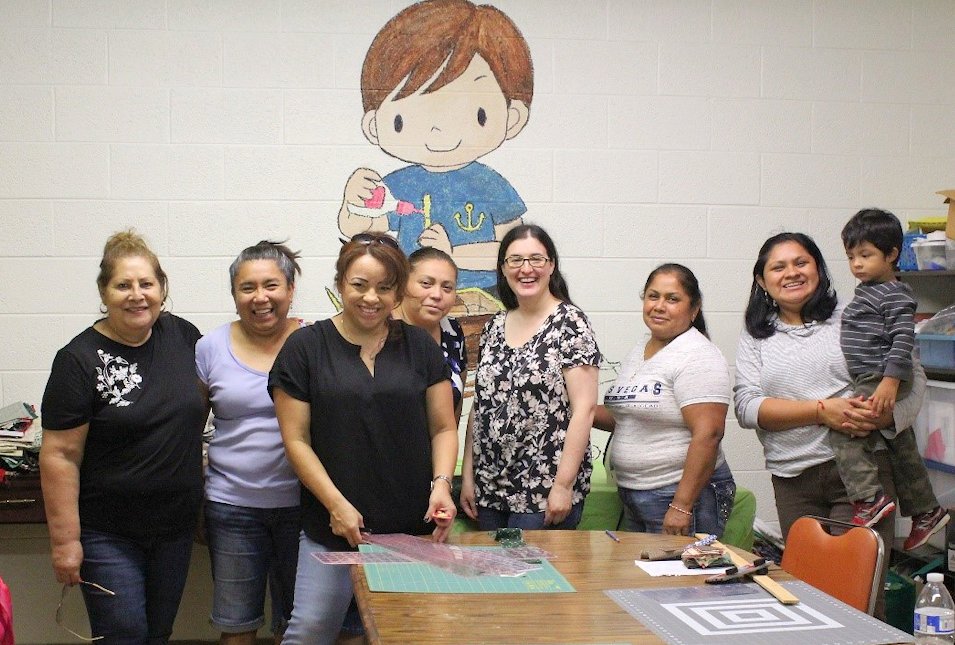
(931, 255)
(935, 426)
(937, 351)
(907, 261)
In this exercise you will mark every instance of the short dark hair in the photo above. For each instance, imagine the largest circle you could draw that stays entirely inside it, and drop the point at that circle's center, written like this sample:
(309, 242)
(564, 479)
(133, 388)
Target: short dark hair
(283, 256)
(761, 312)
(880, 228)
(557, 285)
(430, 253)
(690, 285)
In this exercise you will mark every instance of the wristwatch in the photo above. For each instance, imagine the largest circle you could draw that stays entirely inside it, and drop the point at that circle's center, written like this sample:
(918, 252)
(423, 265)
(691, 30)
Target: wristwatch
(445, 478)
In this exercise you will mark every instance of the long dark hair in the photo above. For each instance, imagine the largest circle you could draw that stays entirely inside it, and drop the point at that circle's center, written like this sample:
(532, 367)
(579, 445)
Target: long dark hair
(557, 285)
(690, 285)
(761, 311)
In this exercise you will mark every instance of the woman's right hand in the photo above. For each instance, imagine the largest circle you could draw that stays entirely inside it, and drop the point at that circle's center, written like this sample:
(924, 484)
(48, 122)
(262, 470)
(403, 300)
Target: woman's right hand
(468, 502)
(67, 558)
(853, 417)
(347, 522)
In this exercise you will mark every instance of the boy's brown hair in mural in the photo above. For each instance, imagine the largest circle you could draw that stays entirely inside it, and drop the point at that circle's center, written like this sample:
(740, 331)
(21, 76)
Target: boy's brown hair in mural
(444, 83)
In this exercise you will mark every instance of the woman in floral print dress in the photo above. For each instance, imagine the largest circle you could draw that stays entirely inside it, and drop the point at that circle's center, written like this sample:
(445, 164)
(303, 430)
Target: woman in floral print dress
(527, 451)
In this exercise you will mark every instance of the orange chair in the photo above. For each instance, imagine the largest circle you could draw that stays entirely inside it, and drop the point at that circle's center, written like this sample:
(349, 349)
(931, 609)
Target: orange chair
(846, 566)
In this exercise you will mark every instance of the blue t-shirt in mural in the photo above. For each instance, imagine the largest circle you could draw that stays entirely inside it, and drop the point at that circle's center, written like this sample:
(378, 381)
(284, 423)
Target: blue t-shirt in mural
(468, 203)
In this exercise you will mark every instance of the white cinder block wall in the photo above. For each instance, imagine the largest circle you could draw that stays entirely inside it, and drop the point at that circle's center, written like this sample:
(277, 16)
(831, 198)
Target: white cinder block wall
(659, 130)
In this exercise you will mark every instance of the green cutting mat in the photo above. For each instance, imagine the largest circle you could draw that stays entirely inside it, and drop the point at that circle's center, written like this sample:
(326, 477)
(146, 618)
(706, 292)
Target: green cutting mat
(416, 577)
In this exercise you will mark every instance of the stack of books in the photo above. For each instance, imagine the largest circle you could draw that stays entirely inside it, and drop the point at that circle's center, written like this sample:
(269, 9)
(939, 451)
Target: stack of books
(17, 430)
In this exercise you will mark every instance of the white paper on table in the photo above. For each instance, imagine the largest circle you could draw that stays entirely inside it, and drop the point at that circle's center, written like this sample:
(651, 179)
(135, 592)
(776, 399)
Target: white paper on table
(657, 568)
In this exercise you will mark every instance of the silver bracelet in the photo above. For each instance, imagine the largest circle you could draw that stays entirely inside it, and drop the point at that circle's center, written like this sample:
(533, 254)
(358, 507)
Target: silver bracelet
(445, 478)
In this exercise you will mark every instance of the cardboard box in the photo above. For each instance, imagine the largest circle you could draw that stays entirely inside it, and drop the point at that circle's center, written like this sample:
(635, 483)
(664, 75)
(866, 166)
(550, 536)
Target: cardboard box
(949, 196)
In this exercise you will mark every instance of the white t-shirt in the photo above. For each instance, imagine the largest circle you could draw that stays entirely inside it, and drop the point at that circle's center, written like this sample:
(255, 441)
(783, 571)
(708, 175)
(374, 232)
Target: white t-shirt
(650, 439)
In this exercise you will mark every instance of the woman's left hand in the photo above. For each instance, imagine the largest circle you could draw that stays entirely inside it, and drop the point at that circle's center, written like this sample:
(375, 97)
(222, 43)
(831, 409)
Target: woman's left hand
(559, 503)
(676, 523)
(860, 420)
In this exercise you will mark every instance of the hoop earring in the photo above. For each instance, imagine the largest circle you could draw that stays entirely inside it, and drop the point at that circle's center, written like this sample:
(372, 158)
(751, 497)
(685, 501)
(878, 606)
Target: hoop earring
(102, 308)
(769, 300)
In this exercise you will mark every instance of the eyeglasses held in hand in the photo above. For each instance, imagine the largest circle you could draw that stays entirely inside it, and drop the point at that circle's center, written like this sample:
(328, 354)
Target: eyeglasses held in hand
(59, 608)
(369, 238)
(517, 261)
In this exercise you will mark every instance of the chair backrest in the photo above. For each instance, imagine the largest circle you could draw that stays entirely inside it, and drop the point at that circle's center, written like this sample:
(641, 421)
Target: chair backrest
(846, 566)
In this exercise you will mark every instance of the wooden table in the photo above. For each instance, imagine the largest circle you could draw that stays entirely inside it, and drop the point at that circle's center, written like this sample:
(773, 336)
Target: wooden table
(591, 562)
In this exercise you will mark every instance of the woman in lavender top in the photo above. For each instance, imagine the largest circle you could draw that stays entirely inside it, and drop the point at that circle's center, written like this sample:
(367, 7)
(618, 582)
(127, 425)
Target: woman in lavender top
(252, 494)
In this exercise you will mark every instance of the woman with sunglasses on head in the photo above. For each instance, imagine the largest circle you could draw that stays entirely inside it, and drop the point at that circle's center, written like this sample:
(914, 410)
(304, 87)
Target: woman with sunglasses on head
(527, 451)
(429, 296)
(121, 462)
(365, 408)
(252, 495)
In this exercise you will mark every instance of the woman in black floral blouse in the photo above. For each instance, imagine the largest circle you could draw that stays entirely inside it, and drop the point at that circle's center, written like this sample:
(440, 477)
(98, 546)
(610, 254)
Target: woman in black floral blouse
(527, 451)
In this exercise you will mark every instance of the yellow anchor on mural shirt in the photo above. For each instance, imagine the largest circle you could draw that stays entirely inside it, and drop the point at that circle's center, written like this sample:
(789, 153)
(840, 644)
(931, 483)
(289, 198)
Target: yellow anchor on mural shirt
(470, 226)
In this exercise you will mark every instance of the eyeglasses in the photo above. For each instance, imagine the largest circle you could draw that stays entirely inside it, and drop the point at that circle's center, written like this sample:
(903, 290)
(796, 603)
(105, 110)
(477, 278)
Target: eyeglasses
(59, 608)
(368, 239)
(517, 261)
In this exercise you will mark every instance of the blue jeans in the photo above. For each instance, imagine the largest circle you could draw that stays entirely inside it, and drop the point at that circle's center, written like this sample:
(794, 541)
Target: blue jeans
(322, 594)
(147, 575)
(645, 509)
(490, 519)
(249, 547)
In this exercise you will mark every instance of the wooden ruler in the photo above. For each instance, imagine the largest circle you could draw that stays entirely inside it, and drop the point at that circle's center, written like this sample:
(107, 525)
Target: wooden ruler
(774, 588)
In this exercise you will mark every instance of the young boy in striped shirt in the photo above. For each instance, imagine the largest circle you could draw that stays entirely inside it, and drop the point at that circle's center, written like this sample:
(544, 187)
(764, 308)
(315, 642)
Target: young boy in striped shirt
(878, 335)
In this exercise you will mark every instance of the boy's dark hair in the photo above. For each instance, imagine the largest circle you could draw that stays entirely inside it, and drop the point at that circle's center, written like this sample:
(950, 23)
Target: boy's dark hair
(880, 228)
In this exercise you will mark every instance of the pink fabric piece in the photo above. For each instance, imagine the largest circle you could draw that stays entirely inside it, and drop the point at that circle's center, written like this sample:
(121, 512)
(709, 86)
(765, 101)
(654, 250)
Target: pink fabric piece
(6, 615)
(935, 446)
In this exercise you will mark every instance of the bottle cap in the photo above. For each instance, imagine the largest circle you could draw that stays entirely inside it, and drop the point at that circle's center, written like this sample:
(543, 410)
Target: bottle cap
(935, 577)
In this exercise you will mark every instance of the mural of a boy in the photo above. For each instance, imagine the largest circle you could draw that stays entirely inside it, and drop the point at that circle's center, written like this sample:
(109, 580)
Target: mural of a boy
(444, 83)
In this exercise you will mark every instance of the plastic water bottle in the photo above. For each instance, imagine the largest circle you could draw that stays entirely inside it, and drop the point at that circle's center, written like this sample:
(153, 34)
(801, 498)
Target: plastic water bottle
(934, 613)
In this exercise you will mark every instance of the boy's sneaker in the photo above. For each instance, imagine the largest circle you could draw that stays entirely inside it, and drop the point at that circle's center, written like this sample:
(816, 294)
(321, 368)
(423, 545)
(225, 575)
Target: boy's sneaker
(924, 525)
(869, 513)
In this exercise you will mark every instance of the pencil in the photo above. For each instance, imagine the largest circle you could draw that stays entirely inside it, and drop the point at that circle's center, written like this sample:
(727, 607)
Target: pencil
(611, 535)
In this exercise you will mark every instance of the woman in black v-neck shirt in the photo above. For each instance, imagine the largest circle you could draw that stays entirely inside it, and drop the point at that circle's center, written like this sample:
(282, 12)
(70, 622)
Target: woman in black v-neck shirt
(365, 407)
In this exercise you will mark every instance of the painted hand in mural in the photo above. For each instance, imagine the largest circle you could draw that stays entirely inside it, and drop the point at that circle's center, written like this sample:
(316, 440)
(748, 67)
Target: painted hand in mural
(353, 218)
(436, 237)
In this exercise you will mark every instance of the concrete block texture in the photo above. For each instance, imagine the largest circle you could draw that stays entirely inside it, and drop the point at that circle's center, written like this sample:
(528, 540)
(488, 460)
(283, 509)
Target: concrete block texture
(658, 131)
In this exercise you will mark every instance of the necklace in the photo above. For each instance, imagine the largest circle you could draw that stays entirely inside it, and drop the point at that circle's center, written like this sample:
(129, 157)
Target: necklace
(370, 349)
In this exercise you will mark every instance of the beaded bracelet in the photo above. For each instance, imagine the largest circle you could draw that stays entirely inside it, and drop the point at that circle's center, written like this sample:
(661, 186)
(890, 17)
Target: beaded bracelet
(680, 510)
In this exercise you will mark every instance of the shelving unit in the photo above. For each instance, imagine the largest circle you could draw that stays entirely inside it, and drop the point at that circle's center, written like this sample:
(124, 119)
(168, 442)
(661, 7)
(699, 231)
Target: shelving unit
(934, 289)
